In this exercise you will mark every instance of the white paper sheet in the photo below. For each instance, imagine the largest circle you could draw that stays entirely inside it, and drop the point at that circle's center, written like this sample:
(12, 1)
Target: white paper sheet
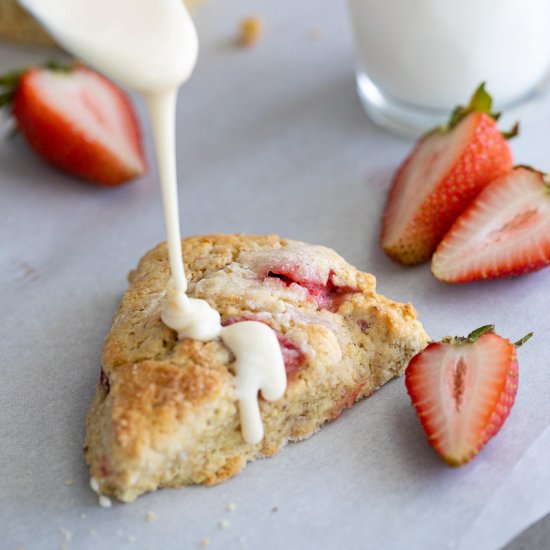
(271, 140)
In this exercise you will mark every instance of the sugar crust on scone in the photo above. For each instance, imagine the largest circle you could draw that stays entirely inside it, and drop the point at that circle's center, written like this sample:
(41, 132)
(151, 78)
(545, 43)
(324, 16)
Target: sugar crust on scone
(165, 412)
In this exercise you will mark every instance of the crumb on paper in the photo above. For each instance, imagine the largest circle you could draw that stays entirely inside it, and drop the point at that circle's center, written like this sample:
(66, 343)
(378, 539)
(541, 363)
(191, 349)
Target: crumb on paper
(231, 507)
(151, 516)
(205, 541)
(68, 482)
(224, 524)
(275, 509)
(250, 30)
(315, 34)
(67, 535)
(94, 484)
(104, 502)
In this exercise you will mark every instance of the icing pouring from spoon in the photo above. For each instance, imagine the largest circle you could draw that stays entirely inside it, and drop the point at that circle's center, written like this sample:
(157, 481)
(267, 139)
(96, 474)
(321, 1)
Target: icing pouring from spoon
(151, 46)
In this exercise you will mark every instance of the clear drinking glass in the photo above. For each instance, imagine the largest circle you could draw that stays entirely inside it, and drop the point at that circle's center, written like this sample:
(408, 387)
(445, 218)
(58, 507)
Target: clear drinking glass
(417, 59)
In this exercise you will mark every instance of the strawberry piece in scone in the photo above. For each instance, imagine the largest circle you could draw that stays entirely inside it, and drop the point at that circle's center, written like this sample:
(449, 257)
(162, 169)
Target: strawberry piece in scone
(292, 355)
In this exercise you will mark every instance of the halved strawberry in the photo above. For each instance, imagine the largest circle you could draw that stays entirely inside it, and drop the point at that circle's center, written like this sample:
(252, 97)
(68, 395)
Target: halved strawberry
(504, 233)
(463, 390)
(445, 171)
(78, 121)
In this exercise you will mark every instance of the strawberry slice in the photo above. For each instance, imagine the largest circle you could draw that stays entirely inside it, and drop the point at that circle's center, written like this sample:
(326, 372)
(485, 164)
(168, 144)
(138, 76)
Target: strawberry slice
(463, 390)
(446, 170)
(504, 233)
(78, 121)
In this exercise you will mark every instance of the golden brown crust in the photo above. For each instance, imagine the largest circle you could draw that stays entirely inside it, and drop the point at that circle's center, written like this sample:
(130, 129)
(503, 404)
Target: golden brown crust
(168, 415)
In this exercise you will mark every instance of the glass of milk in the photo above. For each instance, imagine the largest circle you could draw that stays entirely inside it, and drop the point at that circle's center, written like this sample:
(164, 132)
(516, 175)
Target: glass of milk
(417, 59)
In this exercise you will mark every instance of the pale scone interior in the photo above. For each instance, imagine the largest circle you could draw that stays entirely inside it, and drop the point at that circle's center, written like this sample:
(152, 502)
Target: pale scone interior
(165, 413)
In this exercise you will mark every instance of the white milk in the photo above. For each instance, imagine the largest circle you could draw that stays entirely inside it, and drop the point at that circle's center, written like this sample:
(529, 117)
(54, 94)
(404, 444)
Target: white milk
(151, 47)
(434, 53)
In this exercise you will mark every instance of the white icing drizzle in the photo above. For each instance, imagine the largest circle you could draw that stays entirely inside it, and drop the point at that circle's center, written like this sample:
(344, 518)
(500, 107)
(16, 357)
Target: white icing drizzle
(147, 45)
(189, 317)
(259, 366)
(118, 37)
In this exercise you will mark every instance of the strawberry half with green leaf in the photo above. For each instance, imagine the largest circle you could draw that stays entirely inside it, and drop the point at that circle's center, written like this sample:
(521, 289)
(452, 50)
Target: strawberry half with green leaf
(76, 120)
(446, 170)
(504, 233)
(463, 390)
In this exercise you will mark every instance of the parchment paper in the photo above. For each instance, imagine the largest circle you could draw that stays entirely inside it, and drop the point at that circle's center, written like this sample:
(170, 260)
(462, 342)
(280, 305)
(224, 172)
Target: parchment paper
(270, 140)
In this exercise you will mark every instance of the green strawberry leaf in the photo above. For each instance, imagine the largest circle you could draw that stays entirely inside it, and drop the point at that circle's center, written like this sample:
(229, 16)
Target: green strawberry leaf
(475, 334)
(522, 341)
(471, 338)
(512, 133)
(54, 65)
(480, 102)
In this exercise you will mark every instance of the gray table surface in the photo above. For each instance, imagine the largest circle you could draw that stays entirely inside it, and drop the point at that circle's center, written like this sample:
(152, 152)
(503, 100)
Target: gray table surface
(271, 139)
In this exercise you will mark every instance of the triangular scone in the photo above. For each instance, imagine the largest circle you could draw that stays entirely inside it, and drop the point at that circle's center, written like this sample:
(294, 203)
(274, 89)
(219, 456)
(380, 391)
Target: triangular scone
(165, 412)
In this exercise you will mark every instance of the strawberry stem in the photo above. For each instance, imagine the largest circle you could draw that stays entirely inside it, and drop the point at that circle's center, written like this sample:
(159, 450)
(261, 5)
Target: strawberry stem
(475, 334)
(512, 133)
(472, 337)
(480, 102)
(54, 65)
(523, 340)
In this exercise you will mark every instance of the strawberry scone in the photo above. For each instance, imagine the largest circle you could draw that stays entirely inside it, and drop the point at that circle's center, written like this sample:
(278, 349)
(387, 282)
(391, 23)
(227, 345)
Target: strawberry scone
(165, 412)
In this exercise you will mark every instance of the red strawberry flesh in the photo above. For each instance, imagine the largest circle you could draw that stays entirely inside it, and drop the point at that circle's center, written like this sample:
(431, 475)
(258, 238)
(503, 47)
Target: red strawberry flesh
(504, 233)
(463, 393)
(104, 381)
(328, 294)
(80, 122)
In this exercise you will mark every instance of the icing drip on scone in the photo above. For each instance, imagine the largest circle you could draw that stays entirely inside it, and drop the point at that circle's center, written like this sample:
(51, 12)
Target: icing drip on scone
(116, 37)
(259, 358)
(259, 366)
(189, 317)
